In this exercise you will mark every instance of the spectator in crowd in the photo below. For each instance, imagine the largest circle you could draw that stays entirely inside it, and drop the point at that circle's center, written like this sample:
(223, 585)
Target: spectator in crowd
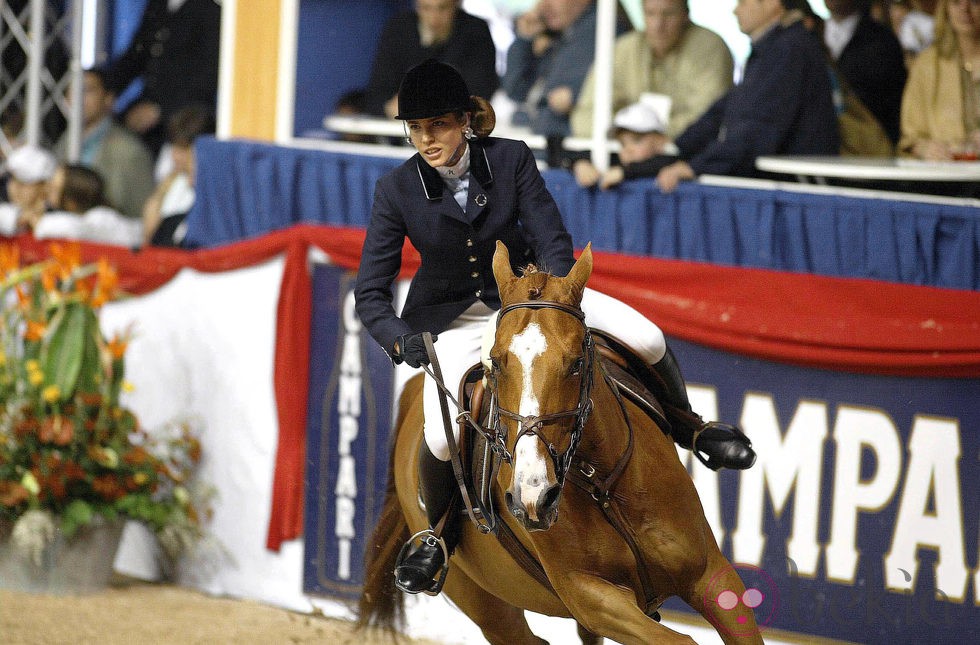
(671, 56)
(878, 10)
(784, 104)
(438, 29)
(546, 64)
(640, 130)
(861, 133)
(82, 213)
(350, 104)
(941, 105)
(175, 52)
(807, 16)
(120, 157)
(167, 208)
(869, 58)
(29, 169)
(915, 28)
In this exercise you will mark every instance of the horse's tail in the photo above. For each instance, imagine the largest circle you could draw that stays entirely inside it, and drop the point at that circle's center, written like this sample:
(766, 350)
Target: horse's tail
(381, 604)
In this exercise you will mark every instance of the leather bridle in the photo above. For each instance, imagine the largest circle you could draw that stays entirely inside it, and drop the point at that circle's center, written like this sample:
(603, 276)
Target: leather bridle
(533, 424)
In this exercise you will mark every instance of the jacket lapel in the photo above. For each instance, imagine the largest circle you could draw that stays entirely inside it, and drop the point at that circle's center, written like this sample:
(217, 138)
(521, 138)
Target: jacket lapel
(481, 179)
(436, 194)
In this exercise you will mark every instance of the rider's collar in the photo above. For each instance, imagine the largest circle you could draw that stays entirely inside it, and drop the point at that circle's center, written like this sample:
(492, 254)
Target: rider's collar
(479, 167)
(460, 168)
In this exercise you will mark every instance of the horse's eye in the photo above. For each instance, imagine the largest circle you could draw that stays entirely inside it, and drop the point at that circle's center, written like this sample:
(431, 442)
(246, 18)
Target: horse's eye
(576, 367)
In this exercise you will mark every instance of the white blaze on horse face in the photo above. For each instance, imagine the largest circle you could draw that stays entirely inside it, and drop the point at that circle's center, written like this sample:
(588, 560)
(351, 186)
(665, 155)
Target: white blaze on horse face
(530, 470)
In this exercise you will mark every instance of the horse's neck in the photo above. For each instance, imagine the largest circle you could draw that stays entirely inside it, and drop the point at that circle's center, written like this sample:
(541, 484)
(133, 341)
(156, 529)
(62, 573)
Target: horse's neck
(610, 433)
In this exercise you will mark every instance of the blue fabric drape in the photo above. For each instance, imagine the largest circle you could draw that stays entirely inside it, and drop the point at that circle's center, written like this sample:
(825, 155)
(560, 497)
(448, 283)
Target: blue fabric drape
(245, 189)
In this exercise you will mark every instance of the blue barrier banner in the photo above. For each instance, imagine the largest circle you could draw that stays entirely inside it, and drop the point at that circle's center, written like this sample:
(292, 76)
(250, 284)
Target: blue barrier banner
(860, 519)
(349, 416)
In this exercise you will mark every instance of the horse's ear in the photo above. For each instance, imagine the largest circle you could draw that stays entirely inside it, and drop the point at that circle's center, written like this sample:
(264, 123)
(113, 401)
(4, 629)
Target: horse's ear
(580, 272)
(501, 265)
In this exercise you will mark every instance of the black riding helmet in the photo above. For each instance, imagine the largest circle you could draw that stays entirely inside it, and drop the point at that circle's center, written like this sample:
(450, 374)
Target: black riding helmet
(431, 88)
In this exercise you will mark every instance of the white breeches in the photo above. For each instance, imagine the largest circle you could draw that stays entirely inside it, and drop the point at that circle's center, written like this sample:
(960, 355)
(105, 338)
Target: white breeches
(458, 348)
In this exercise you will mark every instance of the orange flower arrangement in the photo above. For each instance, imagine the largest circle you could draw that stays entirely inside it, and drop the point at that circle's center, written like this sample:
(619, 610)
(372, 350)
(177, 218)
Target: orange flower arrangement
(68, 449)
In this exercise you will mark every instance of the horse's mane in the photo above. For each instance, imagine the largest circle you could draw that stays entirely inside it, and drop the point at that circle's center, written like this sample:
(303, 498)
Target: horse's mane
(536, 281)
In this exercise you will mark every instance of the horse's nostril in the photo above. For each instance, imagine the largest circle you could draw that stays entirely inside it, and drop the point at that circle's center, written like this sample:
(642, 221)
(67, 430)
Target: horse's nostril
(515, 509)
(550, 498)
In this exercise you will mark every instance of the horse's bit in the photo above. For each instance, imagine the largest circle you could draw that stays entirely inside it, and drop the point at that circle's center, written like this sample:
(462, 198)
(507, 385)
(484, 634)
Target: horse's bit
(531, 424)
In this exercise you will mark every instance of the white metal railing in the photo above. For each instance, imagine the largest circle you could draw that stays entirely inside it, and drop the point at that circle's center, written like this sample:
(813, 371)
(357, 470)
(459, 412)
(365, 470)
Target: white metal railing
(380, 127)
(35, 28)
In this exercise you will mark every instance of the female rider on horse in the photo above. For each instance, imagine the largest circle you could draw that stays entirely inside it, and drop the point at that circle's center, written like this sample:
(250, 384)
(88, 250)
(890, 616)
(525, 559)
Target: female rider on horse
(461, 193)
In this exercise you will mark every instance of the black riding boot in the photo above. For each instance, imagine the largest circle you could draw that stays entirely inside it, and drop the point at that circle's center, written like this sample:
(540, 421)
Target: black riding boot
(725, 445)
(421, 563)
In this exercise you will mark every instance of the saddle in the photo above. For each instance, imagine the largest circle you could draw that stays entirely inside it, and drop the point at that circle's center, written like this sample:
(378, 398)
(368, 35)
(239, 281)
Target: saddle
(620, 366)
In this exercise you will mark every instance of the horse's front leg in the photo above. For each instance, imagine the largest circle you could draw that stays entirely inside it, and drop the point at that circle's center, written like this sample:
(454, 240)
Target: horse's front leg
(735, 623)
(610, 610)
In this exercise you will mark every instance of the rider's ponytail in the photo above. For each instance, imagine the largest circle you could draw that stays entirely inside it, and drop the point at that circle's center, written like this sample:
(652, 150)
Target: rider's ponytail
(482, 117)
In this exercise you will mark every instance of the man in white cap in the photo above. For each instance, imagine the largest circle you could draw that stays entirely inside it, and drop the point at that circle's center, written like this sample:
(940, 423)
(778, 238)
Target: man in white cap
(640, 130)
(29, 169)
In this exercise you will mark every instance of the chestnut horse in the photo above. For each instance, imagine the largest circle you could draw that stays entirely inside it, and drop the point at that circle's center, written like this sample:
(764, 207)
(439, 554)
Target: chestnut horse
(627, 535)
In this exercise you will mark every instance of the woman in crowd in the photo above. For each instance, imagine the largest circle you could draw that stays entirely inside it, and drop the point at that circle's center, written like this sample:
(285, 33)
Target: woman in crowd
(166, 209)
(941, 104)
(453, 200)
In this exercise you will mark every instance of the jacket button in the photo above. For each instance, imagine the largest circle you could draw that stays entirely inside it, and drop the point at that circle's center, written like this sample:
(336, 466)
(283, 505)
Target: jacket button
(469, 242)
(475, 274)
(472, 258)
(478, 293)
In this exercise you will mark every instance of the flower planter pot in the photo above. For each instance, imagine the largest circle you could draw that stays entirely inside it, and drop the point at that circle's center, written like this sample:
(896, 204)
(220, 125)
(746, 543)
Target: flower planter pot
(80, 564)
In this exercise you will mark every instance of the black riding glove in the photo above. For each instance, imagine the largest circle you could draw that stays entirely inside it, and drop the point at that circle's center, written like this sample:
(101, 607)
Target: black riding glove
(411, 349)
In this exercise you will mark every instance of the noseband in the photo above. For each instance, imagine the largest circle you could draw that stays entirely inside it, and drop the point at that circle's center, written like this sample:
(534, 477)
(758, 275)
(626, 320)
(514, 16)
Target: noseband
(531, 424)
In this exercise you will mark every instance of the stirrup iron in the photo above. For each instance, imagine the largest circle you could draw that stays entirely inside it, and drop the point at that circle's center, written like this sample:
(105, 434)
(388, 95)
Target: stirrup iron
(429, 538)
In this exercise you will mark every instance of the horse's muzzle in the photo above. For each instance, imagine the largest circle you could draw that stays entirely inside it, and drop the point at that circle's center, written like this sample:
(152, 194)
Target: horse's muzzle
(538, 516)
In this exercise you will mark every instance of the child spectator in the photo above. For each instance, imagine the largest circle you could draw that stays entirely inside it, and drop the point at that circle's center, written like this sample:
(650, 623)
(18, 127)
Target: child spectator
(78, 195)
(640, 130)
(29, 170)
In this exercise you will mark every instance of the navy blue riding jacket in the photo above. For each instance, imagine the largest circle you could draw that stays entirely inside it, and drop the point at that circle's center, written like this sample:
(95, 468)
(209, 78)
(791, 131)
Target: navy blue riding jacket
(507, 201)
